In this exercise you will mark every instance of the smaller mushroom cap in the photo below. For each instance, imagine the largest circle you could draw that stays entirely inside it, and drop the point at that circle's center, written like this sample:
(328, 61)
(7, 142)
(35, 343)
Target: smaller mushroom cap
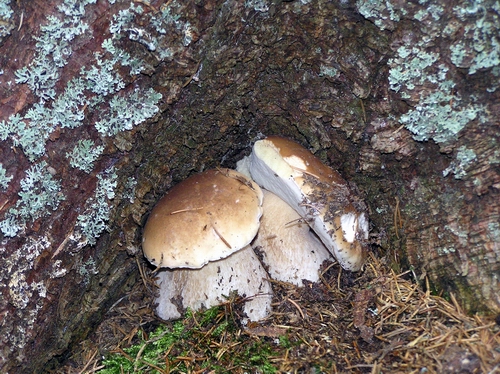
(204, 218)
(288, 158)
(317, 193)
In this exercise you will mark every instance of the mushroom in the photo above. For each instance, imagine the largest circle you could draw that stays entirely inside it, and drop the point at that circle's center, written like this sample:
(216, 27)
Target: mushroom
(317, 193)
(288, 248)
(201, 230)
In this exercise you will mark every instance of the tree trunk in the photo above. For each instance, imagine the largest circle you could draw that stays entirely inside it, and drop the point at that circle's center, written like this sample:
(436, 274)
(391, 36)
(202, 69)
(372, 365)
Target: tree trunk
(105, 105)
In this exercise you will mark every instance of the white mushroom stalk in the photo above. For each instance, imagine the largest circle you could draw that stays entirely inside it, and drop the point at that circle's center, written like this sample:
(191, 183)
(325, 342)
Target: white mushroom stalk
(213, 284)
(288, 248)
(317, 193)
(211, 216)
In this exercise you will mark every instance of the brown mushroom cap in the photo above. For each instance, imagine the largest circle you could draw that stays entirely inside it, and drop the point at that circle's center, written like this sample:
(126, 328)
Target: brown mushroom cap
(204, 218)
(301, 160)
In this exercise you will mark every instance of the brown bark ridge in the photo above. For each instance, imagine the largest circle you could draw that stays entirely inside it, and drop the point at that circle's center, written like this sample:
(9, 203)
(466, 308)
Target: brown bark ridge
(105, 105)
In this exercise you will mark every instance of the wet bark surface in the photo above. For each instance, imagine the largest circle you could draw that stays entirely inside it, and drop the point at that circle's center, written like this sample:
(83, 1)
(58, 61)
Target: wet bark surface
(330, 76)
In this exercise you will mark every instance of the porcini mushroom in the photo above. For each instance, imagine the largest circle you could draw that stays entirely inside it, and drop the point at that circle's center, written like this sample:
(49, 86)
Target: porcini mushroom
(289, 249)
(317, 193)
(211, 216)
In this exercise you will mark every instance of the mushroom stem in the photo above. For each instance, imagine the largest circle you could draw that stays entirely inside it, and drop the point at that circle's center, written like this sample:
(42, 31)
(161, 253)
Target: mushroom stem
(288, 248)
(212, 284)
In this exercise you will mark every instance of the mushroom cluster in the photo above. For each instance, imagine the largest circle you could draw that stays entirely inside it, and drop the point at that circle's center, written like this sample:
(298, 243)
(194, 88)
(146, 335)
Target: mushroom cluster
(207, 230)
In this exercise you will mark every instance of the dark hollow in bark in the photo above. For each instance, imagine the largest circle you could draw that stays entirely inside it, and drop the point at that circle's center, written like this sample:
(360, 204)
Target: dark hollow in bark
(401, 102)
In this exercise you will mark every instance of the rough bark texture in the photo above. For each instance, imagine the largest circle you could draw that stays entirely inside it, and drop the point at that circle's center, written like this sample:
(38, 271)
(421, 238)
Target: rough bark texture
(401, 97)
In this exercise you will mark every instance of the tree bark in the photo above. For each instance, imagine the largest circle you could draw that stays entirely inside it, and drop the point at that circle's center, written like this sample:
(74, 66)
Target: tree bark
(402, 99)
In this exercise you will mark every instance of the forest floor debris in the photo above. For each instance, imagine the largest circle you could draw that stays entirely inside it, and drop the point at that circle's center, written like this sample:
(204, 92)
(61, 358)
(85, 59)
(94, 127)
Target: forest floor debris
(374, 321)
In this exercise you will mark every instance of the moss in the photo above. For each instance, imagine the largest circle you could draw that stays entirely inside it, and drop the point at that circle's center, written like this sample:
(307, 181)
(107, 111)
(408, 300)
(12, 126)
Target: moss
(447, 283)
(161, 349)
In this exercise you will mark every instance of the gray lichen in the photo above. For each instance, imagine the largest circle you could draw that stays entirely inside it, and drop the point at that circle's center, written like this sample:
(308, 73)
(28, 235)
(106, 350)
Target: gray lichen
(84, 155)
(438, 114)
(444, 69)
(93, 221)
(91, 88)
(463, 160)
(97, 99)
(6, 25)
(40, 193)
(53, 51)
(480, 46)
(21, 290)
(258, 5)
(4, 179)
(420, 71)
(126, 112)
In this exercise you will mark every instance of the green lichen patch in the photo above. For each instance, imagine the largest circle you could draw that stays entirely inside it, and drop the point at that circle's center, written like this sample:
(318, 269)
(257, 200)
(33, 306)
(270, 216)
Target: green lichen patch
(6, 24)
(126, 112)
(93, 221)
(479, 45)
(29, 132)
(53, 49)
(39, 195)
(98, 87)
(438, 113)
(384, 13)
(4, 179)
(408, 69)
(419, 71)
(440, 116)
(102, 78)
(464, 159)
(84, 155)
